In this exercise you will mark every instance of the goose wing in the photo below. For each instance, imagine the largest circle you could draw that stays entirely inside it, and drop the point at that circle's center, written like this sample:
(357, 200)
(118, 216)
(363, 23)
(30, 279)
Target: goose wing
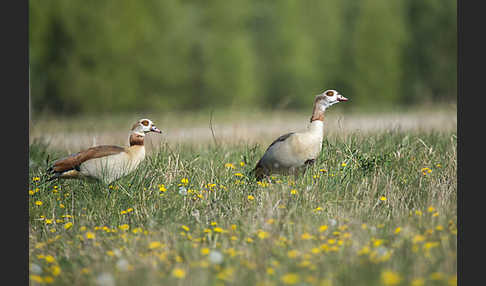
(73, 161)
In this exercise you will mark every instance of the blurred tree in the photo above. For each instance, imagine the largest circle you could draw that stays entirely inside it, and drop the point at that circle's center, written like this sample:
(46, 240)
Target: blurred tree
(112, 56)
(379, 39)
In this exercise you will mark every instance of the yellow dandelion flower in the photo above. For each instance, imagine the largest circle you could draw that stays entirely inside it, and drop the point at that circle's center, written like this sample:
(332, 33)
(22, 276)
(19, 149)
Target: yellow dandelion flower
(242, 163)
(184, 181)
(293, 192)
(178, 273)
(49, 259)
(262, 234)
(68, 225)
(229, 165)
(205, 251)
(290, 279)
(185, 228)
(431, 209)
(270, 271)
(35, 179)
(155, 245)
(36, 278)
(38, 203)
(124, 227)
(55, 270)
(90, 235)
(390, 278)
(218, 229)
(239, 174)
(250, 197)
(249, 240)
(306, 236)
(383, 198)
(363, 251)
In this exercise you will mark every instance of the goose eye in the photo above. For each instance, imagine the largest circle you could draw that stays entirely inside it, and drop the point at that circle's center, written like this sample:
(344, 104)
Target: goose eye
(145, 123)
(329, 93)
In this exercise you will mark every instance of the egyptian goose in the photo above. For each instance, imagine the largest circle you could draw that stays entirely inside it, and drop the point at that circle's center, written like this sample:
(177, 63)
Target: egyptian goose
(106, 162)
(296, 149)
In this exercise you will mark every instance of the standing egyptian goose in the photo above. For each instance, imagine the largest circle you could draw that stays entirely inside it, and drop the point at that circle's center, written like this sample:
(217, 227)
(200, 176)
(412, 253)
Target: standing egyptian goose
(296, 149)
(106, 162)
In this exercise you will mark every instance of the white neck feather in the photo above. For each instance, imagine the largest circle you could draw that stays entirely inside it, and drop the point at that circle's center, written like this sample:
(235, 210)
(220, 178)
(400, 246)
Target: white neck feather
(316, 127)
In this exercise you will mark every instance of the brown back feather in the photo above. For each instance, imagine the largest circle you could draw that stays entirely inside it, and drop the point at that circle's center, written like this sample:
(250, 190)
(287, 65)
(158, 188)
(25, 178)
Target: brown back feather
(74, 160)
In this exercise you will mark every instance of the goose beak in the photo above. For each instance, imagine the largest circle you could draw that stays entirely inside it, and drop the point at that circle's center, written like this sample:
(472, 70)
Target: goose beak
(155, 129)
(342, 98)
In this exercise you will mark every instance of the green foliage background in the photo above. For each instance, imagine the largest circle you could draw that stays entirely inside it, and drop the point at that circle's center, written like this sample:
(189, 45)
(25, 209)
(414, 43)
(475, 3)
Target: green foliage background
(117, 56)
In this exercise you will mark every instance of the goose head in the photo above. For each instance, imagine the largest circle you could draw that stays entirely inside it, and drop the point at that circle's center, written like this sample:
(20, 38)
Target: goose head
(144, 126)
(329, 98)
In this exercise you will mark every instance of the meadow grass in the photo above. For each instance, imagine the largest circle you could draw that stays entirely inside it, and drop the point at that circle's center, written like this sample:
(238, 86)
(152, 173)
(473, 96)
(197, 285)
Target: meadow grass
(375, 209)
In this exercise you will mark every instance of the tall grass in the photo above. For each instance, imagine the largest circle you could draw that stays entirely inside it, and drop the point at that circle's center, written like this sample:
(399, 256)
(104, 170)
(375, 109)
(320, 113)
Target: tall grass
(374, 209)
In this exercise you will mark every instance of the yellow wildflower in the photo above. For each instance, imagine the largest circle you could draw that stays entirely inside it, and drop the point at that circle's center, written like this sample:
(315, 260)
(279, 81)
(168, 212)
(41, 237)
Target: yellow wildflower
(383, 198)
(184, 181)
(229, 165)
(38, 203)
(124, 227)
(390, 278)
(306, 236)
(55, 270)
(250, 197)
(293, 192)
(262, 234)
(155, 245)
(178, 273)
(205, 251)
(185, 228)
(290, 279)
(218, 229)
(90, 235)
(36, 278)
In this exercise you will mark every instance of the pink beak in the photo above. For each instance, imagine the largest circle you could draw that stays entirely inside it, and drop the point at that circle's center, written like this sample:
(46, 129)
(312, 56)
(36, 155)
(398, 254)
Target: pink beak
(155, 129)
(342, 98)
